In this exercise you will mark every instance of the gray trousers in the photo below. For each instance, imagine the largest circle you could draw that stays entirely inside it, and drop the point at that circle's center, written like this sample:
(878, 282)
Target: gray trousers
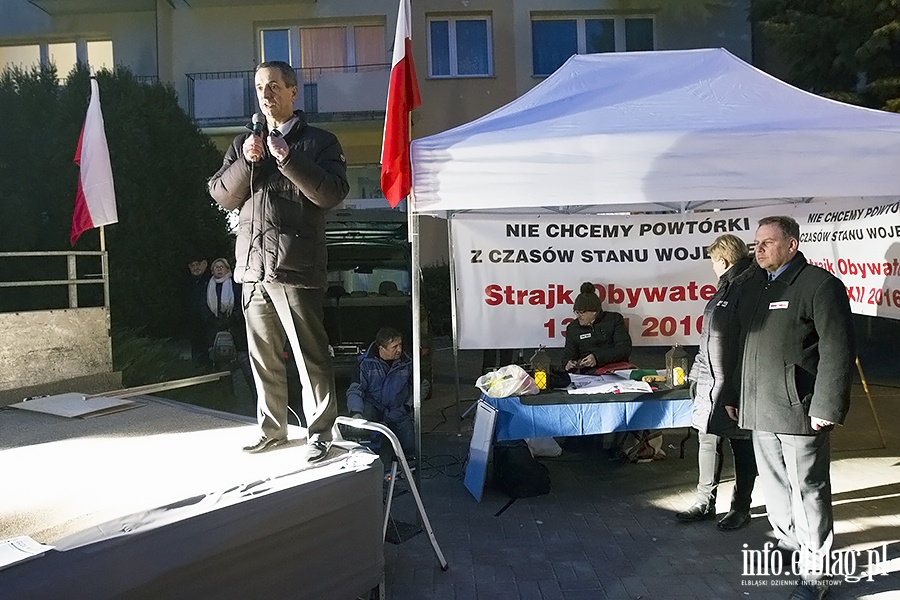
(277, 313)
(709, 461)
(794, 471)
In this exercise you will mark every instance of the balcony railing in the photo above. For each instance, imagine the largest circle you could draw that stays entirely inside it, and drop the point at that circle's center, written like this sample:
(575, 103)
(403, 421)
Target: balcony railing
(348, 93)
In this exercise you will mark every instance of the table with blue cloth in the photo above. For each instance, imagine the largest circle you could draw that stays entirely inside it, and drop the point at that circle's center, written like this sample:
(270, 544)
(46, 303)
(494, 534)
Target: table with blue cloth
(558, 413)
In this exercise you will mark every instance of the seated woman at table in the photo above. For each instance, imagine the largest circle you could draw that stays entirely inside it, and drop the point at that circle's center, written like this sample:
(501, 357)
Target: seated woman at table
(596, 337)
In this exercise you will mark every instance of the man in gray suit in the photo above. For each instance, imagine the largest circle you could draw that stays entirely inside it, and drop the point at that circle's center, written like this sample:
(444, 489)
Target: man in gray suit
(796, 372)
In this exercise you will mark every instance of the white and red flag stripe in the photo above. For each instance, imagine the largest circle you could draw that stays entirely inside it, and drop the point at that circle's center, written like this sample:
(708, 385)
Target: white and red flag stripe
(95, 199)
(403, 98)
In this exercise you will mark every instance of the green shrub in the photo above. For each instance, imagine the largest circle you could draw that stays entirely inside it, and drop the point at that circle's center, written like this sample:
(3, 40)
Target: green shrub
(144, 361)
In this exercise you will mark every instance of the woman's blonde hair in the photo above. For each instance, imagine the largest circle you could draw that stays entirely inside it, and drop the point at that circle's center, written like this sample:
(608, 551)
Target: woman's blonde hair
(220, 260)
(730, 247)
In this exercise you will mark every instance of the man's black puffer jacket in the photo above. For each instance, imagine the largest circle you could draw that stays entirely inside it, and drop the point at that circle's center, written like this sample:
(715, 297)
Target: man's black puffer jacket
(281, 232)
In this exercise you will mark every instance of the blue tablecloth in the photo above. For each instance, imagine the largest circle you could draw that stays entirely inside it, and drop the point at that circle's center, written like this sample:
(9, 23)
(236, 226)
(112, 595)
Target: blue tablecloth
(586, 415)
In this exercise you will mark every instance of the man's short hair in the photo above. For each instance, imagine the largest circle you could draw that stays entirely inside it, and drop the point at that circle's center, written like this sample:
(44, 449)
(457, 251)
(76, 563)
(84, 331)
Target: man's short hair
(788, 226)
(288, 75)
(386, 335)
(730, 247)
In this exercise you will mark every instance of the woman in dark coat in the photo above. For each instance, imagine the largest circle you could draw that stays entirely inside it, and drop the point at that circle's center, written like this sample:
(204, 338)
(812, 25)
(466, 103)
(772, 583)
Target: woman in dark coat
(715, 393)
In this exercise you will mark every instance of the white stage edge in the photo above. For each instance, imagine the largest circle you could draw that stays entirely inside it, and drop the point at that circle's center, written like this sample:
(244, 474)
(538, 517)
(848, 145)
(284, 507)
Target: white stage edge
(160, 501)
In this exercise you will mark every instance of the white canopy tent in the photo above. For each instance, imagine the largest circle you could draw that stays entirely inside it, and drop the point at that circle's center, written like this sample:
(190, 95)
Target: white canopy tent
(644, 131)
(653, 131)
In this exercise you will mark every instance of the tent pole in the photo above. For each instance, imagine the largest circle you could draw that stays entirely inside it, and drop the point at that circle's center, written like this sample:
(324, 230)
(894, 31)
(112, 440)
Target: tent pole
(453, 318)
(865, 385)
(412, 223)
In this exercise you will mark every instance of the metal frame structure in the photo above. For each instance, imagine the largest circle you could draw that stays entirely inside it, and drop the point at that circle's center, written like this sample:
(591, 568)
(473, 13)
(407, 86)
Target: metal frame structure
(401, 458)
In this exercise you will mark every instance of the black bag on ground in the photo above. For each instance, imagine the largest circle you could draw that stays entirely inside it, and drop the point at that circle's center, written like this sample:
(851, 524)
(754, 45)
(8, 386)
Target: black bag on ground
(518, 474)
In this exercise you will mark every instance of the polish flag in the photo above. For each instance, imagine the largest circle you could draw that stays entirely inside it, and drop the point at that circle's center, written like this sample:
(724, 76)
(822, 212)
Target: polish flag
(95, 200)
(403, 98)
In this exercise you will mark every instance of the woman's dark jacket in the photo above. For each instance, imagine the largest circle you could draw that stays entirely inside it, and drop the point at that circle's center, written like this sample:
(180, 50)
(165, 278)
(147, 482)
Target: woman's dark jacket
(712, 375)
(606, 338)
(281, 235)
(798, 349)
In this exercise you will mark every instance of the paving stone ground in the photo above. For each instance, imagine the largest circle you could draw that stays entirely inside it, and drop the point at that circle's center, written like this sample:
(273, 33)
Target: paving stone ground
(606, 530)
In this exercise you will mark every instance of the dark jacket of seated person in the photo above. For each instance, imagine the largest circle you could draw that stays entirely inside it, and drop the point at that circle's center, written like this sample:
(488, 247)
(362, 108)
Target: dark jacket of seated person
(596, 337)
(382, 390)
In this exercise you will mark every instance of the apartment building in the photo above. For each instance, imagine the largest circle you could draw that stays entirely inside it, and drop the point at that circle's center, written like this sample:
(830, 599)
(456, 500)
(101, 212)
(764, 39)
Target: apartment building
(472, 56)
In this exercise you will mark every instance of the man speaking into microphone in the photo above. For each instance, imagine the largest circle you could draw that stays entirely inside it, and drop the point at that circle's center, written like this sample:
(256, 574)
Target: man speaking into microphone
(283, 175)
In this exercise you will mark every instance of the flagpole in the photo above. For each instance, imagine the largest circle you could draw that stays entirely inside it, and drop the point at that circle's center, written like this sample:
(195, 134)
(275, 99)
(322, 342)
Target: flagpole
(104, 270)
(403, 98)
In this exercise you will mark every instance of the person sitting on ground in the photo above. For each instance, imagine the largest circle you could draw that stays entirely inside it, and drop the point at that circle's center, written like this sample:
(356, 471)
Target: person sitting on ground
(382, 390)
(596, 337)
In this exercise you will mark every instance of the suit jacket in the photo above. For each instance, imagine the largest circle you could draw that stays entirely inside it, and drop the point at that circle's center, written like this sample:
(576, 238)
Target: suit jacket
(798, 349)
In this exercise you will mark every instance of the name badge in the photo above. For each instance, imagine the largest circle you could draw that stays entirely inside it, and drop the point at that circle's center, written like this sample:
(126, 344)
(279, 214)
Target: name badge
(584, 336)
(778, 305)
(722, 303)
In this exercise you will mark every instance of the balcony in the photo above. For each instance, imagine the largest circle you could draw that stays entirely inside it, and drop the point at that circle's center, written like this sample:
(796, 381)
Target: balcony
(326, 94)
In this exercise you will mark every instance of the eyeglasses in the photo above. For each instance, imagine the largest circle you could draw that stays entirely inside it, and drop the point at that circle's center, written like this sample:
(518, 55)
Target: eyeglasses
(584, 312)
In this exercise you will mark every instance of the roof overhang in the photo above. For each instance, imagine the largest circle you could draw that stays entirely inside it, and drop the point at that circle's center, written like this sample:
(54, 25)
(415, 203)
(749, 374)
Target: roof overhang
(83, 7)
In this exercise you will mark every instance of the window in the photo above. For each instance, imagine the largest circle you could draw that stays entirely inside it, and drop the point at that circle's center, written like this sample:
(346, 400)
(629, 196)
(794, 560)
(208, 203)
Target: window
(459, 47)
(98, 55)
(276, 45)
(554, 40)
(326, 48)
(19, 56)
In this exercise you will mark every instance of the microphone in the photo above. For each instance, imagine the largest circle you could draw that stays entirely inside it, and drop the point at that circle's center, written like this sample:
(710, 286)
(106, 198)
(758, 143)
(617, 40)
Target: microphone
(257, 124)
(257, 121)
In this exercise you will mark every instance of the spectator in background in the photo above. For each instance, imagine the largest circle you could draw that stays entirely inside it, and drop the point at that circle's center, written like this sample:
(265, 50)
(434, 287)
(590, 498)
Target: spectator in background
(713, 389)
(194, 297)
(382, 390)
(226, 333)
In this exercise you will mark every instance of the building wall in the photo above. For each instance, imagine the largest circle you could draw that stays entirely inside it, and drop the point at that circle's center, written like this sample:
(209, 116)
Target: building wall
(38, 347)
(172, 42)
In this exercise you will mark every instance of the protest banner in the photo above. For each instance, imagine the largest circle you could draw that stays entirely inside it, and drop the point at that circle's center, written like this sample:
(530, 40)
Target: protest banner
(517, 276)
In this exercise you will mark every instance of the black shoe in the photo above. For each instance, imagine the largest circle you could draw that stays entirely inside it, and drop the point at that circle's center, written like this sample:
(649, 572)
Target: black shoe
(810, 590)
(698, 512)
(264, 443)
(735, 519)
(316, 450)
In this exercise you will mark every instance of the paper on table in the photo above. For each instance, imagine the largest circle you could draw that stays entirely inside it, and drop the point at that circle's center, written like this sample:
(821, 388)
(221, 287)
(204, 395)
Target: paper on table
(605, 384)
(17, 549)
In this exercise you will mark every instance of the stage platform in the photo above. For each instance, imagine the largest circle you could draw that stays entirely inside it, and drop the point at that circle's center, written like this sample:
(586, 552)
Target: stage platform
(159, 501)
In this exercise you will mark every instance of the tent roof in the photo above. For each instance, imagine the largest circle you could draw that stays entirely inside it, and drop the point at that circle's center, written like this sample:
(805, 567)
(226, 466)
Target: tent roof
(654, 131)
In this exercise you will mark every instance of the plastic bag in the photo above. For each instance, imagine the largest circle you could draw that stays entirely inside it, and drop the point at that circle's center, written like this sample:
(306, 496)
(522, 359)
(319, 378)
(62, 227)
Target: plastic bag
(511, 380)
